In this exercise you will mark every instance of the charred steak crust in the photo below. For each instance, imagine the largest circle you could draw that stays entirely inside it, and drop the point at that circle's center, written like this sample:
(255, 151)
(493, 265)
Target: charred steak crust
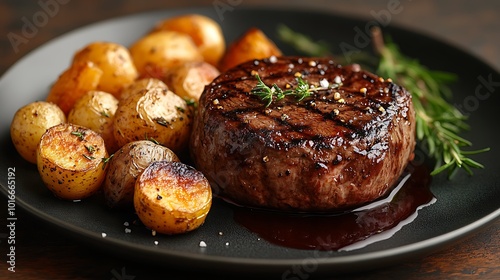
(336, 149)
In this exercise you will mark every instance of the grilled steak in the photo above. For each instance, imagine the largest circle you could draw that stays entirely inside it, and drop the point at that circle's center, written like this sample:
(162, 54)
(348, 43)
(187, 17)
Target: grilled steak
(341, 147)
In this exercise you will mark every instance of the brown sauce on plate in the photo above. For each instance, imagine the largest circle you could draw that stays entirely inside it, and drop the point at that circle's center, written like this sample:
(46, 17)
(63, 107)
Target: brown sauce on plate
(338, 230)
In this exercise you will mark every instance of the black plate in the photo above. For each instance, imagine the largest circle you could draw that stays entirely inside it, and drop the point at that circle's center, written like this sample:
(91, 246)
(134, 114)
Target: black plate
(463, 204)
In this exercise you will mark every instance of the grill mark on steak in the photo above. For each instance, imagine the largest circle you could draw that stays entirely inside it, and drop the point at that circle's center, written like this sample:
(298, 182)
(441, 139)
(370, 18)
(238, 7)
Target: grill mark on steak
(317, 154)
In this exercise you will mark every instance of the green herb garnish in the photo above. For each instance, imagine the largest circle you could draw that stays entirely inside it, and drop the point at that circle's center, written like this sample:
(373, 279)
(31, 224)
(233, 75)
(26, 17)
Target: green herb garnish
(90, 148)
(151, 139)
(190, 102)
(106, 160)
(303, 43)
(79, 134)
(88, 157)
(438, 123)
(104, 114)
(265, 92)
(274, 92)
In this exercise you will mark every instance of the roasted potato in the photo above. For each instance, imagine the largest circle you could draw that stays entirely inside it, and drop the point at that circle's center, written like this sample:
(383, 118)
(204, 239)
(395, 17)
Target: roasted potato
(118, 69)
(126, 165)
(160, 51)
(73, 83)
(172, 197)
(205, 32)
(30, 122)
(142, 85)
(71, 161)
(157, 114)
(95, 110)
(253, 44)
(189, 80)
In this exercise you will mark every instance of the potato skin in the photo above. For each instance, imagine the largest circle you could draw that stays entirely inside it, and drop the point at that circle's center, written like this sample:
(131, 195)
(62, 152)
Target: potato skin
(172, 197)
(29, 124)
(157, 52)
(96, 110)
(142, 84)
(253, 44)
(70, 161)
(115, 61)
(126, 165)
(157, 114)
(189, 80)
(205, 32)
(73, 83)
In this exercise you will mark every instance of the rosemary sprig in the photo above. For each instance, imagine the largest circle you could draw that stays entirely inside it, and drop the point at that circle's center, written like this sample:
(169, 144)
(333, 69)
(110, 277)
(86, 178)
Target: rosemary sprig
(308, 46)
(303, 43)
(438, 123)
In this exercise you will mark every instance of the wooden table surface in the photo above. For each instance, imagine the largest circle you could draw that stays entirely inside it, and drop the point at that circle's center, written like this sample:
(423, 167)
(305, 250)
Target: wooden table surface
(44, 253)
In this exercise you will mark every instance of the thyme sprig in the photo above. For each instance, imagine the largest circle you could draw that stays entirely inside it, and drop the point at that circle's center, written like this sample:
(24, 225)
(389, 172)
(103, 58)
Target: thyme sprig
(274, 93)
(438, 123)
(79, 134)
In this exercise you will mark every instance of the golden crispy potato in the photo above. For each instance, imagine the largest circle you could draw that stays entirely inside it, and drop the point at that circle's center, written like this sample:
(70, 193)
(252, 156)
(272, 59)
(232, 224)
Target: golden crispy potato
(142, 84)
(157, 114)
(253, 44)
(95, 110)
(126, 165)
(205, 32)
(172, 197)
(118, 69)
(70, 160)
(189, 80)
(30, 122)
(73, 83)
(156, 53)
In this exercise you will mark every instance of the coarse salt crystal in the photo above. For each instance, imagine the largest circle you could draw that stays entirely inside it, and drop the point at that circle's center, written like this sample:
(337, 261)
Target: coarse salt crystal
(103, 234)
(127, 230)
(203, 244)
(324, 83)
